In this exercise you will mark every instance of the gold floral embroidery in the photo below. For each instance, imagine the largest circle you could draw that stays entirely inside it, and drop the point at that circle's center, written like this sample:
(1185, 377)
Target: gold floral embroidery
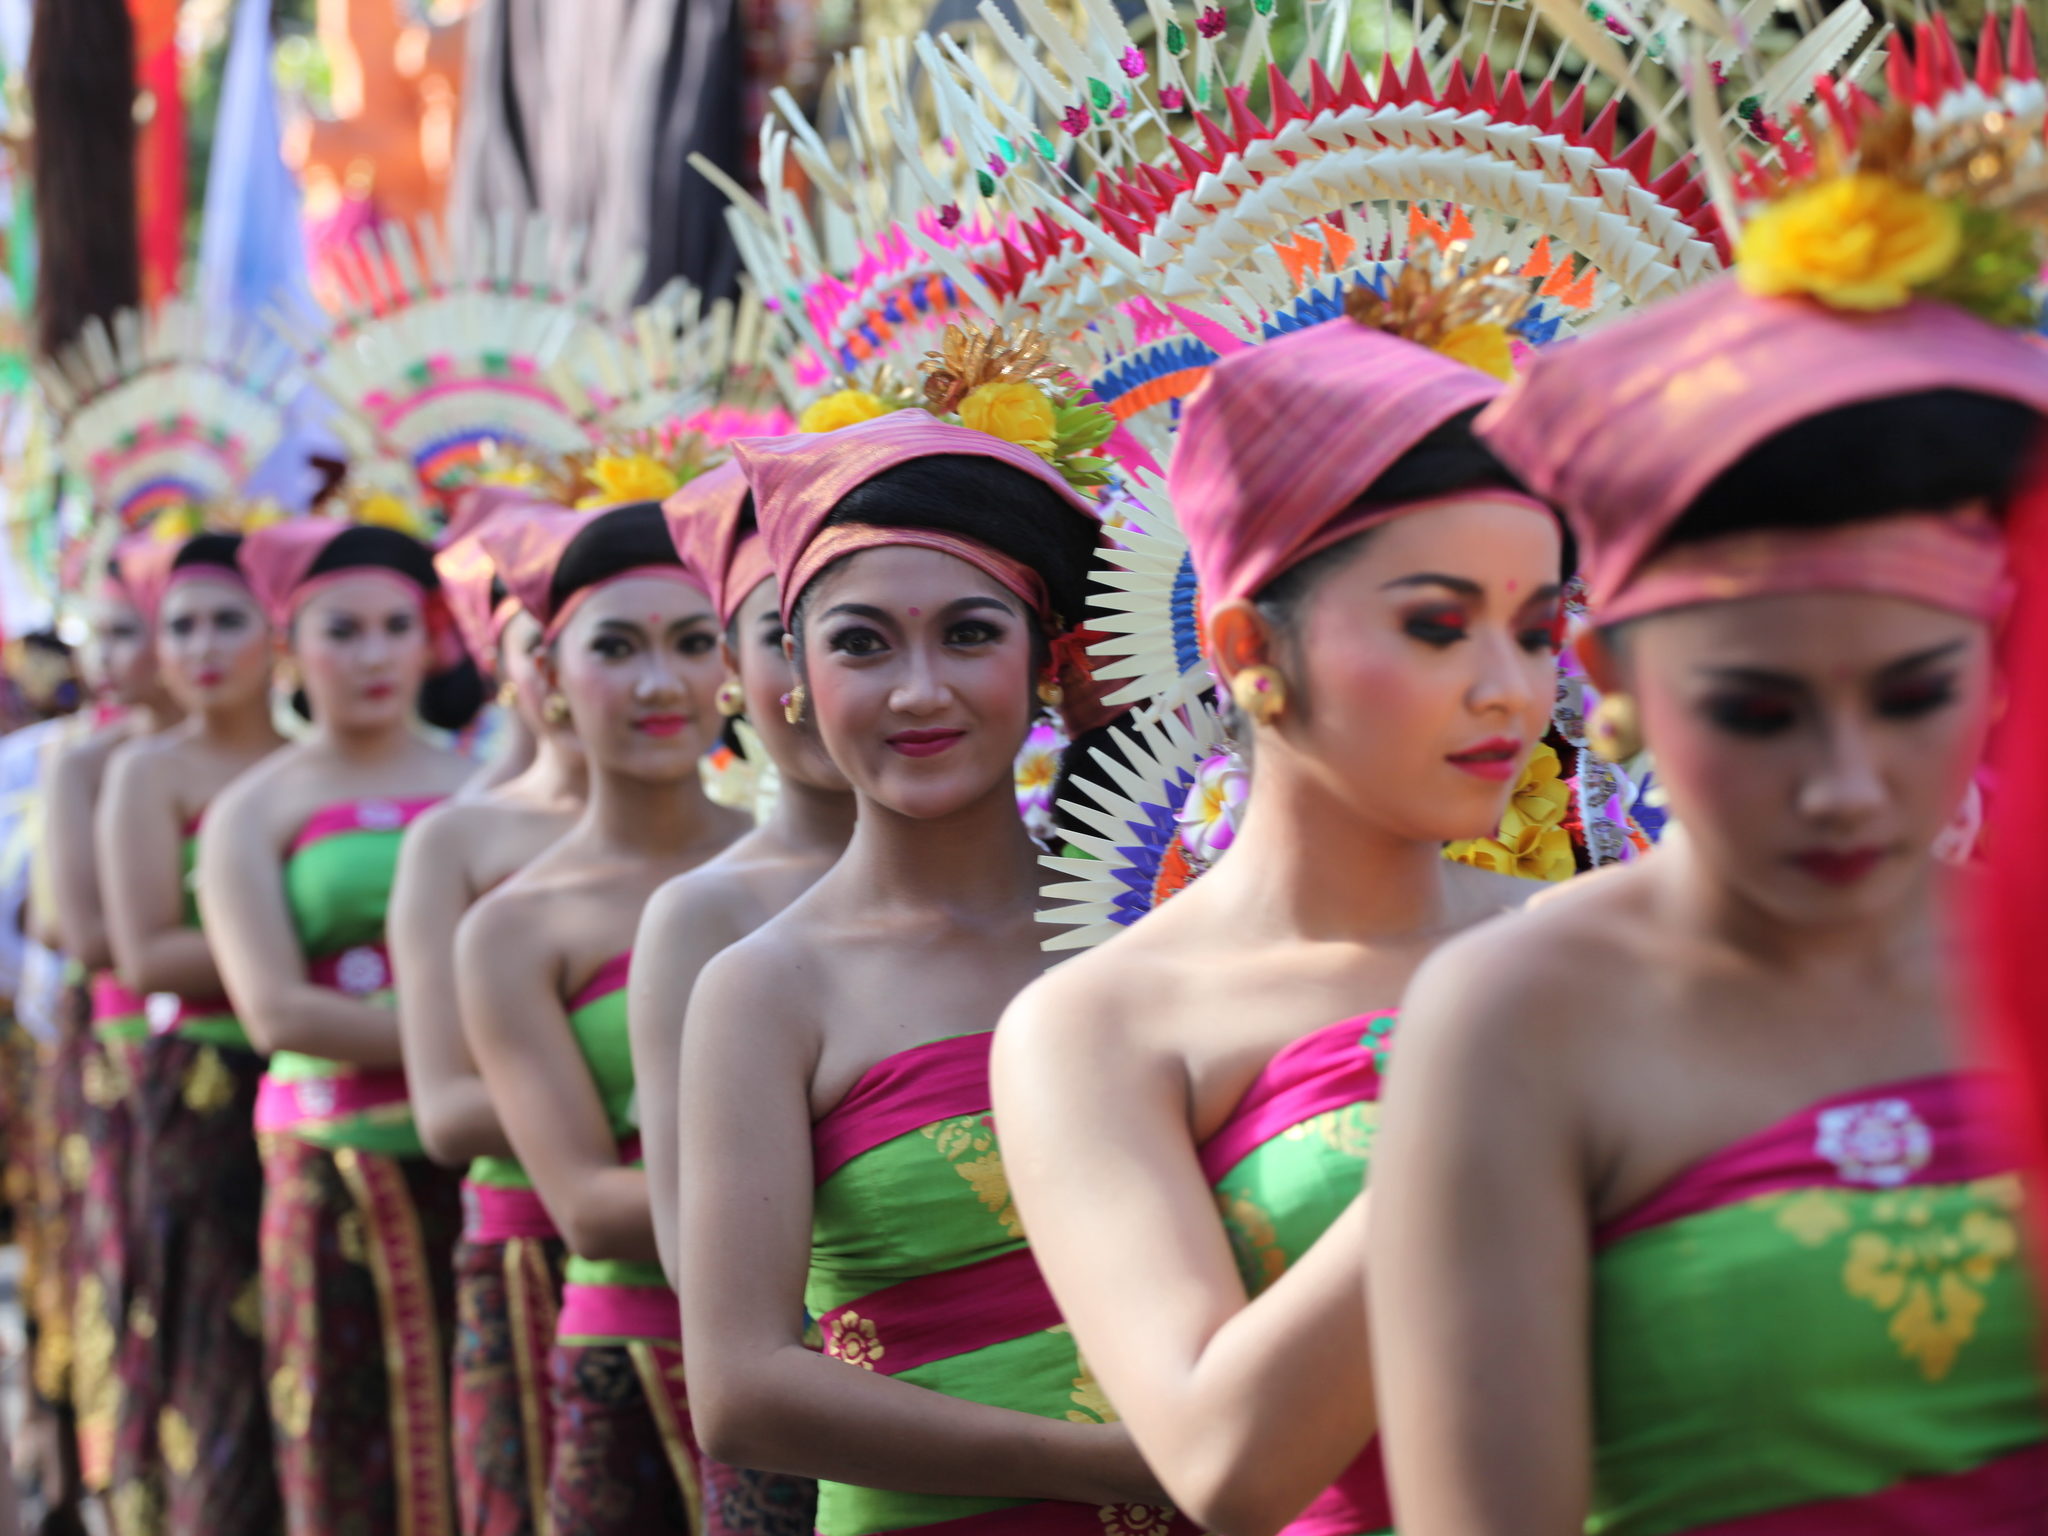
(1347, 1131)
(1814, 1216)
(1092, 1403)
(141, 1318)
(348, 1235)
(135, 1508)
(1931, 1278)
(247, 1308)
(852, 1338)
(76, 1155)
(178, 1441)
(291, 1402)
(209, 1087)
(970, 1146)
(1135, 1519)
(104, 1082)
(1253, 1240)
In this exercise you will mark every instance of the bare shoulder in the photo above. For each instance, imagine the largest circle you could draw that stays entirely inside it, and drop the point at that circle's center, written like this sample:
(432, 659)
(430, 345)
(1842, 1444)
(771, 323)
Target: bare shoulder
(779, 972)
(83, 760)
(702, 910)
(505, 938)
(1094, 1007)
(270, 799)
(1526, 986)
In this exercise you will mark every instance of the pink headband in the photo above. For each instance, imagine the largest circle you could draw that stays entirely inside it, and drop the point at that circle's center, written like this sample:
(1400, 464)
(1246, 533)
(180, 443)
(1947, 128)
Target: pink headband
(277, 557)
(466, 573)
(1279, 443)
(799, 479)
(526, 546)
(704, 519)
(144, 564)
(1628, 426)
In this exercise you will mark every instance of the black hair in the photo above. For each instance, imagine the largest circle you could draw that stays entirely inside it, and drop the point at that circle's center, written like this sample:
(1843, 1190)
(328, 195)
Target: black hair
(1446, 462)
(216, 549)
(449, 699)
(993, 503)
(1925, 452)
(47, 640)
(620, 539)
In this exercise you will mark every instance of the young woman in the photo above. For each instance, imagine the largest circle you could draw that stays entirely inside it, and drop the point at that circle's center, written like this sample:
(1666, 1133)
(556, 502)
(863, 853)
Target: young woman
(115, 1418)
(1382, 603)
(199, 1183)
(693, 918)
(834, 1151)
(295, 867)
(1691, 1220)
(508, 1266)
(631, 651)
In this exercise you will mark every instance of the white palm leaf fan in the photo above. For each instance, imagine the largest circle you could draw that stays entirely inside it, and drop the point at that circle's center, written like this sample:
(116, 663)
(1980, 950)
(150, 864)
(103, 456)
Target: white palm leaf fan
(170, 410)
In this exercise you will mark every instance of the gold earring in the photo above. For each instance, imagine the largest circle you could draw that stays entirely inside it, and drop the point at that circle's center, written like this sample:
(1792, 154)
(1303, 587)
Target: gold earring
(1051, 694)
(732, 699)
(1259, 693)
(793, 704)
(508, 694)
(555, 709)
(1613, 732)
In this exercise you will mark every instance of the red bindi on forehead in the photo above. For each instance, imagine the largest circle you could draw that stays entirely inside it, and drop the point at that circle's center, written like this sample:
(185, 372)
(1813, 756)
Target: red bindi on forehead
(1513, 586)
(917, 613)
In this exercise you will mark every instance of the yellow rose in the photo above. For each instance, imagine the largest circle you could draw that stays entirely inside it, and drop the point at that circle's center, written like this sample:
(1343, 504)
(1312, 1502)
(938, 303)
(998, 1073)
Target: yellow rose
(624, 477)
(840, 409)
(1017, 413)
(380, 509)
(1532, 842)
(1862, 241)
(1482, 346)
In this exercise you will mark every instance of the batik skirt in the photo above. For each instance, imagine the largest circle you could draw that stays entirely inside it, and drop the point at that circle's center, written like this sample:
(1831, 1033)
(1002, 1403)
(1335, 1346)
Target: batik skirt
(112, 1401)
(199, 1277)
(358, 1309)
(508, 1292)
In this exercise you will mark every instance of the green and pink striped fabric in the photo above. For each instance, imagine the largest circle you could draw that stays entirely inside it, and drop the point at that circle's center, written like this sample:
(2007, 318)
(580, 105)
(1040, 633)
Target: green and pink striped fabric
(919, 1270)
(1825, 1329)
(1290, 1158)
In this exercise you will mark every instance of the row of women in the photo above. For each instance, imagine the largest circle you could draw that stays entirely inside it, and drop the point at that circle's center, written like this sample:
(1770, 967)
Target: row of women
(1690, 1211)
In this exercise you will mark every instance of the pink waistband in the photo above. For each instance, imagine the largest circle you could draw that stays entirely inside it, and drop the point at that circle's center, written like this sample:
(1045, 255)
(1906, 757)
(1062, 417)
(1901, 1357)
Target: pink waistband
(282, 1106)
(1049, 1517)
(619, 1312)
(494, 1214)
(2001, 1498)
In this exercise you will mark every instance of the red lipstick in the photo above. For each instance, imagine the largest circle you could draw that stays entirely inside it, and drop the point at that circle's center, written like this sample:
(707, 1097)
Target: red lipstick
(1840, 866)
(661, 725)
(927, 743)
(209, 679)
(1498, 759)
(379, 690)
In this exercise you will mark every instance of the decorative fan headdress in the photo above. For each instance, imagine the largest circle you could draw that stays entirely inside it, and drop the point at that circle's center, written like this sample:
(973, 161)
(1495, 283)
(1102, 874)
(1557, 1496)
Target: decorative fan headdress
(168, 413)
(438, 363)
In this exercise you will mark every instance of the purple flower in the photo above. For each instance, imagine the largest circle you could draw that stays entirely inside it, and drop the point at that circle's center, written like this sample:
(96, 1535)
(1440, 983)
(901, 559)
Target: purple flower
(1121, 109)
(949, 216)
(1172, 98)
(1212, 21)
(1133, 63)
(996, 167)
(1076, 121)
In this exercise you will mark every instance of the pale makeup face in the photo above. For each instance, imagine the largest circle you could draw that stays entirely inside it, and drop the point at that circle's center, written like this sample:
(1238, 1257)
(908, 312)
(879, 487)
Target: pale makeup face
(919, 674)
(1429, 661)
(363, 652)
(122, 662)
(213, 643)
(766, 674)
(638, 663)
(1813, 746)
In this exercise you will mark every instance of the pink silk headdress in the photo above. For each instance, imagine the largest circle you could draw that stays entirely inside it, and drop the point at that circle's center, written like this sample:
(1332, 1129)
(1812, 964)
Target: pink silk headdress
(799, 479)
(1625, 428)
(704, 519)
(467, 571)
(1279, 444)
(142, 570)
(526, 544)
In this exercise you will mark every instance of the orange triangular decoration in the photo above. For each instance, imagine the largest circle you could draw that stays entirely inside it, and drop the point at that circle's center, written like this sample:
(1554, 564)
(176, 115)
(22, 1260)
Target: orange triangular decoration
(1540, 260)
(1580, 294)
(1559, 280)
(1341, 245)
(1422, 227)
(1301, 256)
(1461, 227)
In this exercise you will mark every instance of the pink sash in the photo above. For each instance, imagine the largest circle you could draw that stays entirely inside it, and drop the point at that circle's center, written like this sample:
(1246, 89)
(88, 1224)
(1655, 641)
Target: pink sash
(283, 1106)
(496, 1214)
(648, 1312)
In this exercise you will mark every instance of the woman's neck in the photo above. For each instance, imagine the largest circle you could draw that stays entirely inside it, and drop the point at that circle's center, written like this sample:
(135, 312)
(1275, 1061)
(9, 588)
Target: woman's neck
(558, 774)
(1863, 949)
(237, 728)
(1305, 864)
(366, 748)
(808, 821)
(978, 859)
(654, 819)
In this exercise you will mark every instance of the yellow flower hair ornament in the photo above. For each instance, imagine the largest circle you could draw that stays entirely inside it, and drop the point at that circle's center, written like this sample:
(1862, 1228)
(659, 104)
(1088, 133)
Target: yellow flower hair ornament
(1880, 207)
(1435, 302)
(990, 381)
